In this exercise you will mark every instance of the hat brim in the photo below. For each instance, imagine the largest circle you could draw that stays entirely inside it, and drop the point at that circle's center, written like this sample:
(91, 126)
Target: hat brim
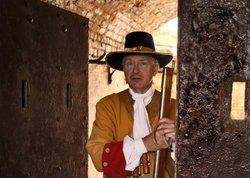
(114, 59)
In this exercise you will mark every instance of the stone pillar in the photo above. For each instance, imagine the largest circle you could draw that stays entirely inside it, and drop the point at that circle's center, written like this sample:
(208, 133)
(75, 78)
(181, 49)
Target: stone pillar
(214, 54)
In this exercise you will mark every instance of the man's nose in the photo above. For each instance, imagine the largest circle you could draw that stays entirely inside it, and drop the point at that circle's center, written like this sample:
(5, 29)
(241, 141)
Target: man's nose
(136, 67)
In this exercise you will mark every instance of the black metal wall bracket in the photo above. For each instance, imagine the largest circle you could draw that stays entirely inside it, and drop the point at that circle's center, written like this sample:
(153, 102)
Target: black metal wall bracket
(110, 75)
(99, 61)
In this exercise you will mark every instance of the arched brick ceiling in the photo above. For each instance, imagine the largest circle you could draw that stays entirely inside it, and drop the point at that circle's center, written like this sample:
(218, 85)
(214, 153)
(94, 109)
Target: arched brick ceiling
(110, 20)
(121, 16)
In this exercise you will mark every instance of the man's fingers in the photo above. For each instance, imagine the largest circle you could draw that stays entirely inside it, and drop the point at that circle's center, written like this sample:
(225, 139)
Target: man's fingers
(164, 125)
(167, 120)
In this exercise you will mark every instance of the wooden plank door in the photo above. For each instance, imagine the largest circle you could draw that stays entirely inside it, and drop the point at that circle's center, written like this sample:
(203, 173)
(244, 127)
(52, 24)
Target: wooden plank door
(43, 91)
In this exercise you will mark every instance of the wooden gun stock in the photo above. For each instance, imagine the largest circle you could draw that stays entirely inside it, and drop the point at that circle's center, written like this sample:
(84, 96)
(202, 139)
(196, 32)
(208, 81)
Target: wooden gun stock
(163, 158)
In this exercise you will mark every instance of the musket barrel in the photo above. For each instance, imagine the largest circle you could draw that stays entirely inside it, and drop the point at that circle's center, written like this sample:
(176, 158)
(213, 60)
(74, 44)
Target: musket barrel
(166, 86)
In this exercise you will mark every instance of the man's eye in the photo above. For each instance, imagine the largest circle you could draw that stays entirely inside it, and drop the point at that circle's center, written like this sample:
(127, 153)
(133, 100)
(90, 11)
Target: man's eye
(129, 64)
(144, 63)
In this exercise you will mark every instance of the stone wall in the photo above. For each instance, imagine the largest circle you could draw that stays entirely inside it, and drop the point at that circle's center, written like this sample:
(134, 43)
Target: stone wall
(213, 55)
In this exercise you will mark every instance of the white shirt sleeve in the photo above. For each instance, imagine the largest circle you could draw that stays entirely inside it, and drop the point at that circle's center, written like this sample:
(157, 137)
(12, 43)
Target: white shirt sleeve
(133, 150)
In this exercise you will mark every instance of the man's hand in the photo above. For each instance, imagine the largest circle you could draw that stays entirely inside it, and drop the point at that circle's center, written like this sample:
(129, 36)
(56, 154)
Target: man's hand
(162, 136)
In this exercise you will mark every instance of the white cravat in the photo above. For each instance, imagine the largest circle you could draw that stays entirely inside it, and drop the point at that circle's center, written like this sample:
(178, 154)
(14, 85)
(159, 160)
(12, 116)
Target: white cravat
(142, 125)
(133, 148)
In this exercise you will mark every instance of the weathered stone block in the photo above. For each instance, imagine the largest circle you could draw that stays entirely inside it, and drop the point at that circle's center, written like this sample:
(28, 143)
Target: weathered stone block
(214, 43)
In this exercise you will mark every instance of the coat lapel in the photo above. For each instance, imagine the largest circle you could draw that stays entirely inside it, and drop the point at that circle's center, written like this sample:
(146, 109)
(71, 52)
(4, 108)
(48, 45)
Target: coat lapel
(153, 107)
(127, 100)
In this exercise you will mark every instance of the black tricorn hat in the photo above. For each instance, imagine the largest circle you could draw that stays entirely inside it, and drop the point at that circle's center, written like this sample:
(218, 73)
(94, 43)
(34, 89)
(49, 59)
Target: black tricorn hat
(138, 43)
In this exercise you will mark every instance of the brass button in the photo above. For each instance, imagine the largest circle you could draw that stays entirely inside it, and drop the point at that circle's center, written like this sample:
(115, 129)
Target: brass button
(105, 164)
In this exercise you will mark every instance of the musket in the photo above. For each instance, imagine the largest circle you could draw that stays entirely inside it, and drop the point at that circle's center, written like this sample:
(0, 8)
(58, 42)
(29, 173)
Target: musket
(165, 108)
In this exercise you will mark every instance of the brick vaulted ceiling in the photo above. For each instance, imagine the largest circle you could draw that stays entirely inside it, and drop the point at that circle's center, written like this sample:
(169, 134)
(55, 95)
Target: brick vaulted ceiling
(110, 20)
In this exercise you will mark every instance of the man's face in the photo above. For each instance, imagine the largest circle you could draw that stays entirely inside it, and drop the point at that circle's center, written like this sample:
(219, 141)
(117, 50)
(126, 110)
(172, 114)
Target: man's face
(139, 71)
